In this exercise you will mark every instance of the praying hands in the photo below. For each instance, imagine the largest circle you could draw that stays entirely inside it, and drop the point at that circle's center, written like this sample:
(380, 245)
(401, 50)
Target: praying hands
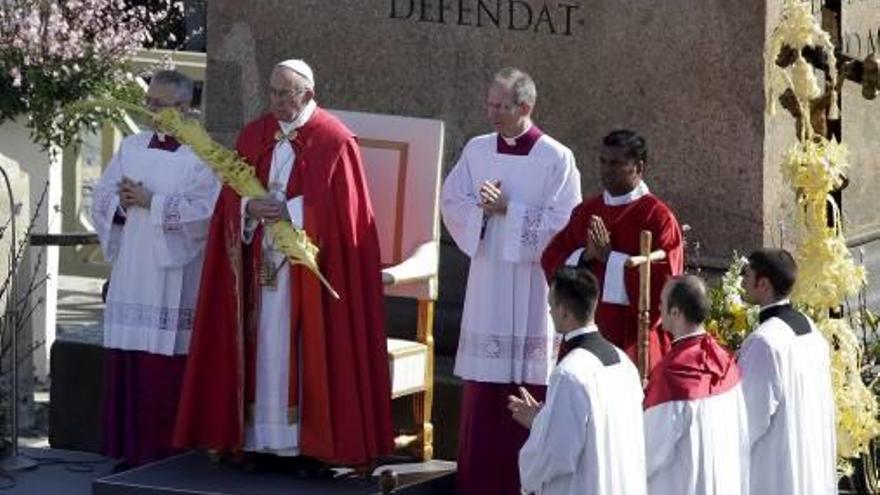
(133, 193)
(598, 240)
(524, 408)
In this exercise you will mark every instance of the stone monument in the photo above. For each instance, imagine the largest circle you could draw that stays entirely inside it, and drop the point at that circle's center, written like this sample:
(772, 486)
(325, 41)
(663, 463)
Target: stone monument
(688, 75)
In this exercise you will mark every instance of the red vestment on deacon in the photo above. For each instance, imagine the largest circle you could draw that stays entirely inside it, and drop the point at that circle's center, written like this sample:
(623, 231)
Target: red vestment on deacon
(619, 323)
(338, 358)
(696, 425)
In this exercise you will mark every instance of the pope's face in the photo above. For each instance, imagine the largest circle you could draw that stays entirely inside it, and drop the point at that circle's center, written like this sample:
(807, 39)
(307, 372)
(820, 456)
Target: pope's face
(502, 113)
(287, 94)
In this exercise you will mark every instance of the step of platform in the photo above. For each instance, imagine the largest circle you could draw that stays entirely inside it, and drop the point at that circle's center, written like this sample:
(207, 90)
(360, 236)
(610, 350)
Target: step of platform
(194, 474)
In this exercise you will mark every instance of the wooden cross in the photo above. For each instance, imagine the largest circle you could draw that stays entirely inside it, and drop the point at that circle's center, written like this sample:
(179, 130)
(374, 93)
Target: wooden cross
(643, 261)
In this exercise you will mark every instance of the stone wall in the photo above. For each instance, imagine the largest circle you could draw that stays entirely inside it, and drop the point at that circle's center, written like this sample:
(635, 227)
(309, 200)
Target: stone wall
(689, 75)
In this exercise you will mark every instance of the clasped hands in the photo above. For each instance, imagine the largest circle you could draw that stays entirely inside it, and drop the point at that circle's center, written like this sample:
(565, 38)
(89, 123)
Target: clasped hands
(133, 193)
(267, 210)
(598, 241)
(493, 201)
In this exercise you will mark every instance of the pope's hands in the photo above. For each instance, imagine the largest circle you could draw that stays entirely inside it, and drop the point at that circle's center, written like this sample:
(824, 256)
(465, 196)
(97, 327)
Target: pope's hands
(267, 210)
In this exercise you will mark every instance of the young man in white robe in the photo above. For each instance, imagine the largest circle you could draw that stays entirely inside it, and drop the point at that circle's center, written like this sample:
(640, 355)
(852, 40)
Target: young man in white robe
(151, 210)
(587, 437)
(509, 193)
(696, 429)
(786, 370)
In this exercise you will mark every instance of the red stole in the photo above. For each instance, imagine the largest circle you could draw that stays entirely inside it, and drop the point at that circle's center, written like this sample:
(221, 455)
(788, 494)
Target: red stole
(696, 368)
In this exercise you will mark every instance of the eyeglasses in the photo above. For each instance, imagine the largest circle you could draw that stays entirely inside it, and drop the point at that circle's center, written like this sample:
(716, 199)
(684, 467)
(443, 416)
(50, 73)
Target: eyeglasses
(507, 107)
(285, 93)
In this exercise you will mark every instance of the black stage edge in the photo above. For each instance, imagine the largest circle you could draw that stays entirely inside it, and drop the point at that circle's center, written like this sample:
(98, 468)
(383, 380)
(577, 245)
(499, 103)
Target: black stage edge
(193, 473)
(61, 472)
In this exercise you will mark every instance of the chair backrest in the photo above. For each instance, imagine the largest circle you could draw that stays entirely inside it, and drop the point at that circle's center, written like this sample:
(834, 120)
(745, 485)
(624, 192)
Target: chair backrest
(402, 159)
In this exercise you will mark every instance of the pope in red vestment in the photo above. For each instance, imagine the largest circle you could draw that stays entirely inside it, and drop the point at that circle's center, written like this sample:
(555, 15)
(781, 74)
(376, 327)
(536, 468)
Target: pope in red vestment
(603, 233)
(339, 393)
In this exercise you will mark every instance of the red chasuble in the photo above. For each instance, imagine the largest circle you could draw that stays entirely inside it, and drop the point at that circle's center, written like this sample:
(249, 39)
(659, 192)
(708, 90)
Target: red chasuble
(338, 351)
(619, 324)
(696, 368)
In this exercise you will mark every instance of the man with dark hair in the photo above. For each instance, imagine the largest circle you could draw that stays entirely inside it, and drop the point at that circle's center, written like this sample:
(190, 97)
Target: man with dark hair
(509, 193)
(787, 385)
(588, 437)
(603, 235)
(696, 431)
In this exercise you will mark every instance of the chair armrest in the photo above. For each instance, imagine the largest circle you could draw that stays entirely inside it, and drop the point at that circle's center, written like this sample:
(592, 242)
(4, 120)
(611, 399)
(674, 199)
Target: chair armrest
(420, 266)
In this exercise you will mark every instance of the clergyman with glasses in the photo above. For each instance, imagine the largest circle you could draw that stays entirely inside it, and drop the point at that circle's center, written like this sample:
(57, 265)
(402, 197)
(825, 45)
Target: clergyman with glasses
(151, 210)
(278, 365)
(509, 193)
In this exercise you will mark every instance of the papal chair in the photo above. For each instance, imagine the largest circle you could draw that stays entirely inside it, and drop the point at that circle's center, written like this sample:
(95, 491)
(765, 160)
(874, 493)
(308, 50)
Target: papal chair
(402, 159)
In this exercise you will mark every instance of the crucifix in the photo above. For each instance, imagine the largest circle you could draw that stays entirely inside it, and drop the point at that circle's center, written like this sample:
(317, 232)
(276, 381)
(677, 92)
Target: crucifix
(643, 263)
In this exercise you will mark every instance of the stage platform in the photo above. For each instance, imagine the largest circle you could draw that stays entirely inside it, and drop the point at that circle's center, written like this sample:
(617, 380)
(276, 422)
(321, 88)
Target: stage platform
(58, 472)
(193, 473)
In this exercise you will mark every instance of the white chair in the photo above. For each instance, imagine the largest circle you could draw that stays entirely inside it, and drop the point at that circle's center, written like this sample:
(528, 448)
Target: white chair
(403, 157)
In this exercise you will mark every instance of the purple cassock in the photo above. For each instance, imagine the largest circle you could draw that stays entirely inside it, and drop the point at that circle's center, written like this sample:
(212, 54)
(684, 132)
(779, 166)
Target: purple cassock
(141, 392)
(489, 439)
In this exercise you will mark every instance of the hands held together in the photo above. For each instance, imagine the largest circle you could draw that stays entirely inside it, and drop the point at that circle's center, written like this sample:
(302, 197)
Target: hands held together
(133, 193)
(492, 199)
(598, 240)
(267, 210)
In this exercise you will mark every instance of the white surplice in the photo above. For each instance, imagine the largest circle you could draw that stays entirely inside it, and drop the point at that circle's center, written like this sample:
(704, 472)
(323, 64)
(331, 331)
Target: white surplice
(698, 447)
(588, 436)
(273, 430)
(787, 387)
(157, 254)
(506, 333)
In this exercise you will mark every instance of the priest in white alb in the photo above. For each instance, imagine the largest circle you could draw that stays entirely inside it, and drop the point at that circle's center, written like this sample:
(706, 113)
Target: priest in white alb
(696, 428)
(509, 193)
(587, 438)
(786, 368)
(151, 210)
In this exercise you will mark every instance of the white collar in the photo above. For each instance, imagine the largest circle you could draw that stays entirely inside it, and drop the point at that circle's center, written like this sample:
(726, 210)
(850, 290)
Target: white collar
(699, 331)
(624, 199)
(511, 141)
(590, 328)
(781, 302)
(300, 120)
